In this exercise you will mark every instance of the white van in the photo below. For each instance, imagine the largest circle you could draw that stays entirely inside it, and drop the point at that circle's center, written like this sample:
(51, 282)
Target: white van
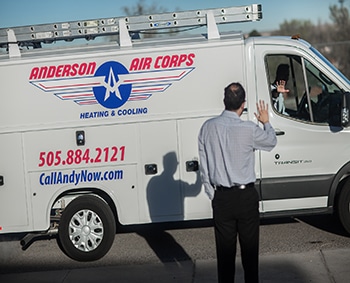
(106, 133)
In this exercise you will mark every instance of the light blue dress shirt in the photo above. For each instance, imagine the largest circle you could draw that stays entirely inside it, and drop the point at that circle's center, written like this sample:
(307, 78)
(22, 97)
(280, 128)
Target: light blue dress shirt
(226, 147)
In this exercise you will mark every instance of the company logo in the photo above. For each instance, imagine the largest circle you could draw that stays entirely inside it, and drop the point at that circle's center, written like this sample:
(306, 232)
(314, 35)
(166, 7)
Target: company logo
(113, 91)
(112, 84)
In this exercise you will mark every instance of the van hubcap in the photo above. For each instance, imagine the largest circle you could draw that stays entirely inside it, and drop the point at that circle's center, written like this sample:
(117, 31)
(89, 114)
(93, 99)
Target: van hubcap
(86, 230)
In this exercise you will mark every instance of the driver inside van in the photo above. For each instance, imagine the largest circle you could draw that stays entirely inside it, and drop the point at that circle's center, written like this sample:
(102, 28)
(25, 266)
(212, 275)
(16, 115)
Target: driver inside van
(278, 88)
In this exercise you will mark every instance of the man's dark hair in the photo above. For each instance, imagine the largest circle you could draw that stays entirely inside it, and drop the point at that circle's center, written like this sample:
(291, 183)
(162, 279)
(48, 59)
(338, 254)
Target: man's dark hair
(282, 72)
(234, 96)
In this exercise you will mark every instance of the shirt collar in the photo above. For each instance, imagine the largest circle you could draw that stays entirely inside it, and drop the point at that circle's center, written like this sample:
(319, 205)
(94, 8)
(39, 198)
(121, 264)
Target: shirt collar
(230, 114)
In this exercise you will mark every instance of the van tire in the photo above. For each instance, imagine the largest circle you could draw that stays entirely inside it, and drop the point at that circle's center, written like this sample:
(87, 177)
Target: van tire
(344, 206)
(87, 229)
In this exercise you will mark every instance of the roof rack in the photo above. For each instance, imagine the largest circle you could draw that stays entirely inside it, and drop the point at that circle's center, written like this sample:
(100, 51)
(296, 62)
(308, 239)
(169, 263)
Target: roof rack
(34, 35)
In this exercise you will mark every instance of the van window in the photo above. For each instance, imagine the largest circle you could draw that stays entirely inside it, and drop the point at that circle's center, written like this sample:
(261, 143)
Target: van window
(311, 96)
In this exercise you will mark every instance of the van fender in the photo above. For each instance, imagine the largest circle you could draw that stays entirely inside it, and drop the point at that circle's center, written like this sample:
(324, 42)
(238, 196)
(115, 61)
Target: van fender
(102, 192)
(337, 184)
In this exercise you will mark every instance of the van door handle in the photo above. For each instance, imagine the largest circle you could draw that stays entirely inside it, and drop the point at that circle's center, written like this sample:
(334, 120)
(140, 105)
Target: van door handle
(192, 166)
(1, 180)
(279, 132)
(151, 169)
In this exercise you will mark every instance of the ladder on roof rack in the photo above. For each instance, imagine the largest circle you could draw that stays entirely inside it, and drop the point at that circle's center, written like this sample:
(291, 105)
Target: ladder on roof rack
(34, 35)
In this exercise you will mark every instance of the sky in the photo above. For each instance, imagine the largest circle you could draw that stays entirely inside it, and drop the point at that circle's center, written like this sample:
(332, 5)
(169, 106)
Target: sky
(30, 12)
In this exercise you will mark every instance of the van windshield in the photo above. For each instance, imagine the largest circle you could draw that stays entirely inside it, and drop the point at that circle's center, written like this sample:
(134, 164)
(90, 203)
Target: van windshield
(329, 64)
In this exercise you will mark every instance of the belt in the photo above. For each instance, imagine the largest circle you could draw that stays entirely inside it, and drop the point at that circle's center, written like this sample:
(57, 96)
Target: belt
(241, 187)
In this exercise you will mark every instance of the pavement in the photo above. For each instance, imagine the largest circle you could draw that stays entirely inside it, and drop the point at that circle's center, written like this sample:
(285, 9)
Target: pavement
(321, 266)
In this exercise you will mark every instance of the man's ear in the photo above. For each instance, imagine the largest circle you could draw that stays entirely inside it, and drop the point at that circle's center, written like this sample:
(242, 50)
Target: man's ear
(240, 109)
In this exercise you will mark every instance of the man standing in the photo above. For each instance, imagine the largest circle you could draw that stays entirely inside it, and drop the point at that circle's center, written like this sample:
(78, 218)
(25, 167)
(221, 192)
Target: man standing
(227, 160)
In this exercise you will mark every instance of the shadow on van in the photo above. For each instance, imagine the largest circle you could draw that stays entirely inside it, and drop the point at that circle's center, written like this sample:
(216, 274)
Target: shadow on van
(166, 195)
(165, 198)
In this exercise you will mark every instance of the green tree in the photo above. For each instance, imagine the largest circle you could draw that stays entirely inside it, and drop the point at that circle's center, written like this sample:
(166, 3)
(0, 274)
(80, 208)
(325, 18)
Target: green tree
(333, 40)
(303, 27)
(140, 8)
(340, 44)
(254, 33)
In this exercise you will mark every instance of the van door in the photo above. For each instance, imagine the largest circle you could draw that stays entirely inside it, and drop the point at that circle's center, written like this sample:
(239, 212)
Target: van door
(161, 198)
(14, 213)
(298, 173)
(196, 202)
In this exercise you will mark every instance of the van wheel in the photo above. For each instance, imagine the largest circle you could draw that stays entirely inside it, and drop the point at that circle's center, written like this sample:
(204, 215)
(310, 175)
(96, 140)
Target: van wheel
(344, 206)
(87, 229)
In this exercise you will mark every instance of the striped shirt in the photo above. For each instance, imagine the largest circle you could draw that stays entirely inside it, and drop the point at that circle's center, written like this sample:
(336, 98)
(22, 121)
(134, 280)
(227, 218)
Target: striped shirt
(226, 150)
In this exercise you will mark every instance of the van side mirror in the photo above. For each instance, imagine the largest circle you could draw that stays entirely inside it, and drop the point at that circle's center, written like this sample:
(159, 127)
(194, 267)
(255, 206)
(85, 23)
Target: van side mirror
(345, 110)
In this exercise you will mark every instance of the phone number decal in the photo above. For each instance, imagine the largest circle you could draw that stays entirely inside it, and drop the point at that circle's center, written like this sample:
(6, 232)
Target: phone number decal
(79, 156)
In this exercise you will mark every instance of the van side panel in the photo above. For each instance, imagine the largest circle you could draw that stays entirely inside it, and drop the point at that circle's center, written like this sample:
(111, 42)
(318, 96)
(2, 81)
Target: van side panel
(134, 109)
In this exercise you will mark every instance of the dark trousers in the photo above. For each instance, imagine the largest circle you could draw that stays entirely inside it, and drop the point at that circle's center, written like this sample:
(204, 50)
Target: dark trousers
(236, 212)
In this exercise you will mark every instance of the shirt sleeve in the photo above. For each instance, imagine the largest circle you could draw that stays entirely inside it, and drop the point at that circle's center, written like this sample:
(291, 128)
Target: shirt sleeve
(265, 139)
(209, 190)
(203, 166)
